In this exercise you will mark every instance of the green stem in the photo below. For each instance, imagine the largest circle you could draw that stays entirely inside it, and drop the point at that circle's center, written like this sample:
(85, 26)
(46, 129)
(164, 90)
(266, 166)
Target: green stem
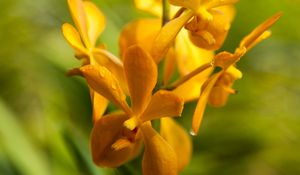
(165, 12)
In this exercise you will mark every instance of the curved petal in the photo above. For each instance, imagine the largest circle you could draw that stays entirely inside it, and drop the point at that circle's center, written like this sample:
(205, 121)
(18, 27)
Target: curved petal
(103, 82)
(189, 56)
(193, 86)
(202, 102)
(163, 104)
(141, 75)
(112, 63)
(259, 31)
(95, 21)
(169, 66)
(141, 32)
(190, 4)
(225, 59)
(220, 92)
(152, 6)
(79, 17)
(159, 157)
(73, 38)
(105, 133)
(212, 35)
(167, 35)
(218, 96)
(179, 140)
(99, 105)
(234, 72)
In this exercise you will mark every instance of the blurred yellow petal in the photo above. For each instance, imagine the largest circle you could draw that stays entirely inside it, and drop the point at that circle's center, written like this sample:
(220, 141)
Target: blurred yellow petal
(218, 96)
(179, 140)
(141, 32)
(258, 31)
(104, 82)
(190, 4)
(99, 105)
(79, 17)
(105, 133)
(95, 21)
(141, 75)
(163, 104)
(189, 56)
(222, 88)
(218, 3)
(152, 6)
(167, 35)
(192, 86)
(234, 72)
(159, 157)
(73, 38)
(169, 66)
(202, 102)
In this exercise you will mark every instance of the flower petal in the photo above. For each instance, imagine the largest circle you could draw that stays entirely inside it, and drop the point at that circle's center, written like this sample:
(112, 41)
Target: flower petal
(141, 75)
(112, 63)
(167, 34)
(99, 105)
(258, 31)
(73, 38)
(104, 82)
(141, 32)
(190, 4)
(79, 17)
(179, 140)
(105, 133)
(211, 36)
(225, 59)
(234, 72)
(152, 6)
(202, 102)
(159, 157)
(163, 104)
(193, 86)
(169, 66)
(189, 56)
(95, 21)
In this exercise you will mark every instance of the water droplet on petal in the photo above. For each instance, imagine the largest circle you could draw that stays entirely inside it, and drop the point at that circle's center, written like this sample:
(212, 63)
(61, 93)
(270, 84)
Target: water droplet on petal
(113, 86)
(101, 72)
(192, 132)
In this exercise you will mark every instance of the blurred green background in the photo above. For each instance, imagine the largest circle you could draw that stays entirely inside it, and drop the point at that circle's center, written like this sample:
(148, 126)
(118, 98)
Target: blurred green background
(45, 117)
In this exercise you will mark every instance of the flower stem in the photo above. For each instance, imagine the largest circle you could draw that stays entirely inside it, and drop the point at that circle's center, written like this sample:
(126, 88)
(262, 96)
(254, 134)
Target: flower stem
(189, 76)
(165, 12)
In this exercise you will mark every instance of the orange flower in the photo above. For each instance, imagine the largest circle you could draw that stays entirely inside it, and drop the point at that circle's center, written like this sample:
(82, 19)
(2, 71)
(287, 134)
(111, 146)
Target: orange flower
(218, 86)
(90, 23)
(115, 138)
(206, 31)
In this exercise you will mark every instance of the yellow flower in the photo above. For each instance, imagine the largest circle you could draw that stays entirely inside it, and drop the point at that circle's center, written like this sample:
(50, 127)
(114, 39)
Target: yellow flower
(218, 86)
(115, 138)
(211, 34)
(184, 54)
(90, 23)
(207, 21)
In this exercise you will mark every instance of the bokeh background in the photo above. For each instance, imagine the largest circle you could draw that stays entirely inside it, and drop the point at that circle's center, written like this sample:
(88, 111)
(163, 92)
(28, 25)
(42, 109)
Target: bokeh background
(45, 117)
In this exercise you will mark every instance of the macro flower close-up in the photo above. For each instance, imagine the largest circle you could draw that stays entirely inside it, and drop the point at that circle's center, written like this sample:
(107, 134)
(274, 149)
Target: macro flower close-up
(149, 87)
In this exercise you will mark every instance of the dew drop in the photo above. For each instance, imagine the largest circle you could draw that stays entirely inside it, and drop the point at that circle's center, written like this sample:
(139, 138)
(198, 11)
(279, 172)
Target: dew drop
(212, 63)
(192, 132)
(113, 86)
(101, 73)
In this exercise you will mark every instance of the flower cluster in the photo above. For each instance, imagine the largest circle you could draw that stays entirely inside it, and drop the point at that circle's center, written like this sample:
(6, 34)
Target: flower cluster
(182, 36)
